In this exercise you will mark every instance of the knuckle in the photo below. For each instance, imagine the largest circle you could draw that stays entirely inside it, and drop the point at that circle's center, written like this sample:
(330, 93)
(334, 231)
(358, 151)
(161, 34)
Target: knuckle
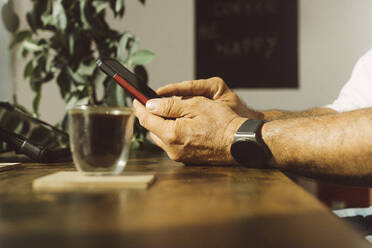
(193, 86)
(217, 79)
(221, 83)
(171, 137)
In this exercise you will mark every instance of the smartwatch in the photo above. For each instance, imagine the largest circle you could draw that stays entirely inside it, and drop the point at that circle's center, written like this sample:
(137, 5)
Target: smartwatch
(248, 147)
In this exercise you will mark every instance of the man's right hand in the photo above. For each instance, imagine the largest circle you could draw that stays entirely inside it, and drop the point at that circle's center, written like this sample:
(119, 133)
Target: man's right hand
(214, 89)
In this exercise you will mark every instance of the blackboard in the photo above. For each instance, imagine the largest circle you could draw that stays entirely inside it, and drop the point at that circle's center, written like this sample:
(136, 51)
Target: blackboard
(249, 43)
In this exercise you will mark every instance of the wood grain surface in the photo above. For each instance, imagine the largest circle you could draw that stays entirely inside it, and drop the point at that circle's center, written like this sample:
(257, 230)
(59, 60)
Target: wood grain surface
(187, 206)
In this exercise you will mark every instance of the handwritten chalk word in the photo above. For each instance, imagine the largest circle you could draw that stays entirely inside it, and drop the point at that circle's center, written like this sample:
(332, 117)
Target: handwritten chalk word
(246, 8)
(262, 46)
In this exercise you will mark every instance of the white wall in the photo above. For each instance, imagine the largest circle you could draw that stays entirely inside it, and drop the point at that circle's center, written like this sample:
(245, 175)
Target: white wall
(5, 83)
(333, 34)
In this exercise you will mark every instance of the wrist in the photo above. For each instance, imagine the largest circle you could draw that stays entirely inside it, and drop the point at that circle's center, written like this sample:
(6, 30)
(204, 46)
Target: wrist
(269, 133)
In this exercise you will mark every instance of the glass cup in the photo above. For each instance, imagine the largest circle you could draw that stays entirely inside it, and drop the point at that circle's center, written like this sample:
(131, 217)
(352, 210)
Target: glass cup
(100, 138)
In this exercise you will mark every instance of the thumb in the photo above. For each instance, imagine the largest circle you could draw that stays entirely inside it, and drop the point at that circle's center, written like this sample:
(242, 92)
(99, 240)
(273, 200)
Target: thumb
(168, 107)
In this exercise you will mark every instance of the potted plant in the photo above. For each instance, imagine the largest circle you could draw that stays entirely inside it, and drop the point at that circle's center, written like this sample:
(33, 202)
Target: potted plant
(62, 43)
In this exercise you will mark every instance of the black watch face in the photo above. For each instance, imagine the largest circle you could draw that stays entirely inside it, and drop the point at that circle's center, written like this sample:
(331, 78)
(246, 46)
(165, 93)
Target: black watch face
(248, 152)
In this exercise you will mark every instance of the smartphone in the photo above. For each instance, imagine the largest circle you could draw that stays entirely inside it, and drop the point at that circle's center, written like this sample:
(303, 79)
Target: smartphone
(38, 140)
(127, 79)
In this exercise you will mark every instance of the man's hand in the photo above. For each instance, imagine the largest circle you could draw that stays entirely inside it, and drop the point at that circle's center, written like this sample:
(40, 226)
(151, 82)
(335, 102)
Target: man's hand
(214, 89)
(193, 130)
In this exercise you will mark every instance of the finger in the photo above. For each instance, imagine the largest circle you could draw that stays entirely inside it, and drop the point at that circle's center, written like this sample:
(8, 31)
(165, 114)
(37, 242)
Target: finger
(203, 87)
(172, 107)
(158, 141)
(151, 122)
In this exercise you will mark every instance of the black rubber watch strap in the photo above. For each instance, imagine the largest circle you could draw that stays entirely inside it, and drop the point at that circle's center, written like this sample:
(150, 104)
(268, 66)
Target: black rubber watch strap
(249, 130)
(248, 147)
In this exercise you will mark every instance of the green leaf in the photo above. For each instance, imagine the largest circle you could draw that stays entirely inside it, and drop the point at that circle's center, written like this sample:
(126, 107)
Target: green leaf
(114, 95)
(121, 49)
(49, 64)
(83, 18)
(86, 70)
(35, 85)
(47, 19)
(49, 76)
(20, 37)
(76, 77)
(98, 83)
(132, 46)
(64, 83)
(31, 21)
(59, 15)
(120, 96)
(71, 101)
(99, 78)
(76, 100)
(21, 52)
(31, 45)
(10, 18)
(36, 101)
(34, 16)
(141, 57)
(71, 44)
(100, 5)
(29, 68)
(119, 5)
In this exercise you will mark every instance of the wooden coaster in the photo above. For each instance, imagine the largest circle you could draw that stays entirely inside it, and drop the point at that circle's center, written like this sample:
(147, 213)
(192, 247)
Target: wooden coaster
(75, 181)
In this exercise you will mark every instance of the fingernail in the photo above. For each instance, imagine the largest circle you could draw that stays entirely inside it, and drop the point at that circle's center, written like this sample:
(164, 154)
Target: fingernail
(151, 105)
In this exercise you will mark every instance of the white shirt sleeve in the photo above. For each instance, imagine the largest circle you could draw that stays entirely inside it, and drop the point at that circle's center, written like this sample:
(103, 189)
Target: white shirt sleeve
(357, 92)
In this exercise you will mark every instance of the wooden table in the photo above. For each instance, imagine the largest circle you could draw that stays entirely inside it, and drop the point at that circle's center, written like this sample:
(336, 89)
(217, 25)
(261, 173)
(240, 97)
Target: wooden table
(187, 206)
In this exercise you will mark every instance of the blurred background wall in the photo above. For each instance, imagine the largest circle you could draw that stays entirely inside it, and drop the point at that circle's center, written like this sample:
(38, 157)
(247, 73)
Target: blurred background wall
(333, 34)
(5, 84)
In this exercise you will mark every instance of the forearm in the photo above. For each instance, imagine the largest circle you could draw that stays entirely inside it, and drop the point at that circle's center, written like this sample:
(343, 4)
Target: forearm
(280, 114)
(336, 147)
